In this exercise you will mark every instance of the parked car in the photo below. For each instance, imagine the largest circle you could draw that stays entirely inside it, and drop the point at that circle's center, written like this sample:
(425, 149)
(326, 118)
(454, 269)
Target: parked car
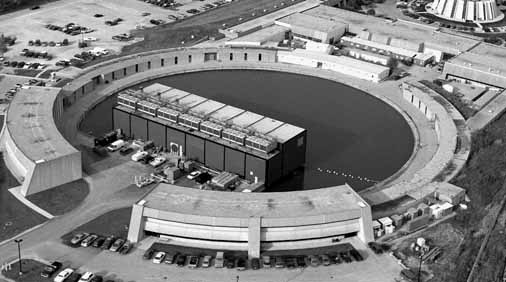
(50, 269)
(108, 242)
(89, 240)
(126, 150)
(116, 245)
(193, 174)
(301, 261)
(148, 254)
(346, 257)
(158, 161)
(98, 242)
(158, 258)
(206, 262)
(181, 260)
(87, 276)
(193, 262)
(125, 248)
(314, 260)
(139, 156)
(266, 261)
(291, 262)
(325, 260)
(78, 238)
(147, 159)
(90, 38)
(229, 263)
(240, 264)
(279, 262)
(219, 261)
(116, 145)
(255, 263)
(63, 275)
(170, 258)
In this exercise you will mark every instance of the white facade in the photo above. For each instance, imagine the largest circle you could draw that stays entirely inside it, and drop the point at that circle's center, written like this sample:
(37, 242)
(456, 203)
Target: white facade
(483, 11)
(341, 64)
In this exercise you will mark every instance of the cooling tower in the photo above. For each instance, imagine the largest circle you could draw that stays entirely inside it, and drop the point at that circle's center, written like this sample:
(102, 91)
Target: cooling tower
(481, 11)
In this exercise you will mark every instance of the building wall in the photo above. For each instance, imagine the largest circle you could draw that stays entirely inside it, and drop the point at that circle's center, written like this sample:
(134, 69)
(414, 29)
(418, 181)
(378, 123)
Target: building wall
(256, 168)
(274, 168)
(294, 153)
(138, 128)
(195, 148)
(473, 74)
(234, 161)
(122, 120)
(176, 137)
(215, 155)
(157, 133)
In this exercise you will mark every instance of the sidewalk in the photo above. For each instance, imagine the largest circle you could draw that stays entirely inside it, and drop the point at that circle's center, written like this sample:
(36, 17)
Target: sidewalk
(16, 192)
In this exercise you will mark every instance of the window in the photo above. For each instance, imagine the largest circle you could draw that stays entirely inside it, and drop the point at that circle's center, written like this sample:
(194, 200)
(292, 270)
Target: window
(175, 60)
(231, 56)
(124, 71)
(149, 65)
(162, 62)
(245, 56)
(136, 68)
(113, 75)
(259, 57)
(189, 58)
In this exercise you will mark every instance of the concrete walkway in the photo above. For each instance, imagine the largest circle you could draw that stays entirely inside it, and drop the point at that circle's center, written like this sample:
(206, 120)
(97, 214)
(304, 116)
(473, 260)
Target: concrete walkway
(16, 192)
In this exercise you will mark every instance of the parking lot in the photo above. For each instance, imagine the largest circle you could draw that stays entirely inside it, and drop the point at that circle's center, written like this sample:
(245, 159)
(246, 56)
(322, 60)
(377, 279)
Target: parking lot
(29, 25)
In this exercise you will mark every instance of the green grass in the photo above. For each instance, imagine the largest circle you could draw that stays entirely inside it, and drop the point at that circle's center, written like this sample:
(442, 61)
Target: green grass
(7, 6)
(31, 271)
(61, 199)
(26, 72)
(112, 223)
(15, 217)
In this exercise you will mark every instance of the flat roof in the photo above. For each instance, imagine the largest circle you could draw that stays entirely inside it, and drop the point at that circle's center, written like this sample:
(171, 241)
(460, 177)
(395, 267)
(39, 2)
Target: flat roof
(183, 200)
(191, 100)
(412, 32)
(285, 130)
(246, 119)
(156, 88)
(265, 125)
(260, 36)
(311, 22)
(174, 94)
(226, 113)
(374, 44)
(207, 107)
(31, 124)
(341, 60)
(485, 57)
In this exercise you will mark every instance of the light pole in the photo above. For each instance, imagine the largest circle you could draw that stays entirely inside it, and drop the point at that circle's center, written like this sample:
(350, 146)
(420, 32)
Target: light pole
(18, 241)
(420, 265)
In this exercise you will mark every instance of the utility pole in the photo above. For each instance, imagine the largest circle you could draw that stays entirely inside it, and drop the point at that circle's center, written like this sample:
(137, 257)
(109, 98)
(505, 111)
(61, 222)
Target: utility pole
(18, 241)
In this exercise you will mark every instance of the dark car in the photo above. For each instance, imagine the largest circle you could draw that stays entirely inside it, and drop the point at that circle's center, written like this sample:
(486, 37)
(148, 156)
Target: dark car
(241, 264)
(126, 150)
(301, 261)
(255, 264)
(147, 159)
(181, 260)
(35, 8)
(375, 247)
(116, 245)
(148, 254)
(98, 15)
(125, 248)
(291, 262)
(107, 243)
(229, 263)
(97, 278)
(346, 257)
(279, 262)
(50, 269)
(74, 277)
(337, 258)
(98, 242)
(356, 255)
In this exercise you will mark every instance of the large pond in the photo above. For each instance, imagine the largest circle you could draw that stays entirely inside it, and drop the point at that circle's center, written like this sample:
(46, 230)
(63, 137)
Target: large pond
(353, 137)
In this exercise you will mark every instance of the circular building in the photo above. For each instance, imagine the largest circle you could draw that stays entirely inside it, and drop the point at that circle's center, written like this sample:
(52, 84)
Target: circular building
(478, 11)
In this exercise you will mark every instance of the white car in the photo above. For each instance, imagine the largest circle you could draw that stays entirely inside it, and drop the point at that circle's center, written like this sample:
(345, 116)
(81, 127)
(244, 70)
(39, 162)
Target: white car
(158, 258)
(139, 155)
(158, 161)
(116, 145)
(206, 262)
(90, 38)
(64, 274)
(87, 276)
(193, 174)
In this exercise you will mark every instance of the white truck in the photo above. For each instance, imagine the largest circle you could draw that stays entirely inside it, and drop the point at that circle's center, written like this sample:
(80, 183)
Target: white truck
(116, 145)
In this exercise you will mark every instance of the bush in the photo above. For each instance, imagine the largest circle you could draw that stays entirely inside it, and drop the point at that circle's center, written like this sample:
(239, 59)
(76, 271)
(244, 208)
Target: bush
(65, 42)
(371, 12)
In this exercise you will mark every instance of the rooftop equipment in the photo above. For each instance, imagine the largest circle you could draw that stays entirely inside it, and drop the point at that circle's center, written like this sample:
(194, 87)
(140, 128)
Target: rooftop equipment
(211, 128)
(190, 121)
(127, 100)
(234, 136)
(168, 114)
(260, 144)
(147, 107)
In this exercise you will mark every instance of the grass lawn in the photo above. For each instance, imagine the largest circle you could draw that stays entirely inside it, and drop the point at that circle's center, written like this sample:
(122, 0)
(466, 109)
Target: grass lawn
(15, 217)
(26, 72)
(112, 223)
(61, 199)
(31, 271)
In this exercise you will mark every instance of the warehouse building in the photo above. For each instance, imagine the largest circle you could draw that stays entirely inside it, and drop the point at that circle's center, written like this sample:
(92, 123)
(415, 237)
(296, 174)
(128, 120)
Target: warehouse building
(313, 28)
(221, 137)
(273, 33)
(252, 222)
(340, 64)
(482, 66)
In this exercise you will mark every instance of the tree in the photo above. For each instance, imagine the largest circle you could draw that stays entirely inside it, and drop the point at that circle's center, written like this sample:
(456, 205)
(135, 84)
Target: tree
(65, 42)
(371, 12)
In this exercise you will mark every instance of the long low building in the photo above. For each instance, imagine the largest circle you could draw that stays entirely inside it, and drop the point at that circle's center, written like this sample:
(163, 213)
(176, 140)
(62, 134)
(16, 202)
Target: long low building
(341, 64)
(313, 28)
(36, 152)
(222, 137)
(251, 221)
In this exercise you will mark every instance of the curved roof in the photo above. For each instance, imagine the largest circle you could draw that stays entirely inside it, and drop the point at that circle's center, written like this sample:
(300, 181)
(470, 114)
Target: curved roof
(31, 125)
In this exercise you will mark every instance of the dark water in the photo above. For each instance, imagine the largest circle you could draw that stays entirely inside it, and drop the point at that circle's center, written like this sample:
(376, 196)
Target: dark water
(349, 131)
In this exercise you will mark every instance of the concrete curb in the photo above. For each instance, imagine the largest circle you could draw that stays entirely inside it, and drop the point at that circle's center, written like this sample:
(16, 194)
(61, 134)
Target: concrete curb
(22, 233)
(15, 192)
